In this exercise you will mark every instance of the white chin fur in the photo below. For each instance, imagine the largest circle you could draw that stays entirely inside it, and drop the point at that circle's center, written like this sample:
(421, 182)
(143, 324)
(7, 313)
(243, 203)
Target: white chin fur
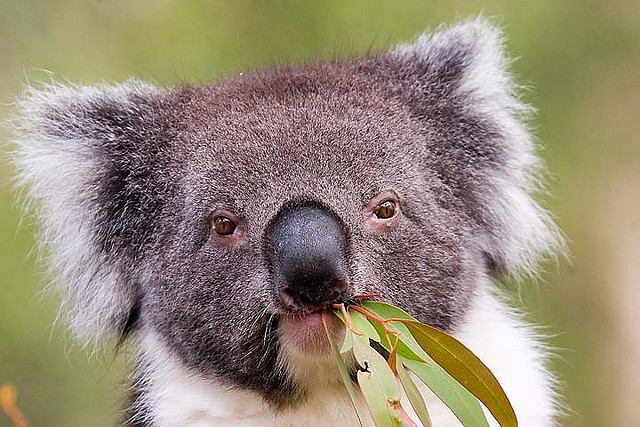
(507, 345)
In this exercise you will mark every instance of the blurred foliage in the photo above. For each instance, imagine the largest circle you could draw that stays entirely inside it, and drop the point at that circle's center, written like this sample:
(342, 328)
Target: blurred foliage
(581, 59)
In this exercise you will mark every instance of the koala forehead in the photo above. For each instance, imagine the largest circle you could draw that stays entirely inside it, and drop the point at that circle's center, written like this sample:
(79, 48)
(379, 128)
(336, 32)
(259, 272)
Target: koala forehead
(331, 132)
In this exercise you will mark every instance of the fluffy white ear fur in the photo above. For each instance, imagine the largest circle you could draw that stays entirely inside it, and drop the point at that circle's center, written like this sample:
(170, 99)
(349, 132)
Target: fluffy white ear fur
(57, 167)
(526, 232)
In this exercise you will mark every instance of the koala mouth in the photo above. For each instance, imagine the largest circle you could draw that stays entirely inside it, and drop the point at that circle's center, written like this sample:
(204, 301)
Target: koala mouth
(304, 332)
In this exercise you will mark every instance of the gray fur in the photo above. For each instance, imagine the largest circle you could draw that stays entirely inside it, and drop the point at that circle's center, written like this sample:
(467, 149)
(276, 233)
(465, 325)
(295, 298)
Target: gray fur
(126, 177)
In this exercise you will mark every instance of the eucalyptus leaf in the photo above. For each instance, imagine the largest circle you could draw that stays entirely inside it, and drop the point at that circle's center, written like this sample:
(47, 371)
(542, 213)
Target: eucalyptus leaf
(445, 365)
(413, 394)
(361, 323)
(461, 402)
(453, 356)
(408, 346)
(339, 315)
(347, 343)
(467, 368)
(393, 354)
(344, 373)
(377, 383)
(401, 348)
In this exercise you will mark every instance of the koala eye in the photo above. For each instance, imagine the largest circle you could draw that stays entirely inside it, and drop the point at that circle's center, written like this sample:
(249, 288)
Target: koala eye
(224, 226)
(385, 210)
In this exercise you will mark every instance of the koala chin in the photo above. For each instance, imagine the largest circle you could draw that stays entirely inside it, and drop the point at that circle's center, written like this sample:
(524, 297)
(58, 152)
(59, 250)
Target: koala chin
(209, 225)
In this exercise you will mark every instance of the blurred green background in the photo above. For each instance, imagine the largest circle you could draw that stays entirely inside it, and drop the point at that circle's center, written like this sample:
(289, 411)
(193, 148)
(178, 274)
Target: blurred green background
(580, 58)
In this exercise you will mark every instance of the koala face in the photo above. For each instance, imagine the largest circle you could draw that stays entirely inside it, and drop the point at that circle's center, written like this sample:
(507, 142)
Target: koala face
(300, 160)
(223, 217)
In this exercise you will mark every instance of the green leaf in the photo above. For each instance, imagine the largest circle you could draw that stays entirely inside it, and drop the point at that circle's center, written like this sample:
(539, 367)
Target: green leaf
(414, 395)
(347, 343)
(362, 324)
(344, 373)
(392, 360)
(465, 367)
(377, 383)
(461, 402)
(408, 346)
(454, 357)
(401, 348)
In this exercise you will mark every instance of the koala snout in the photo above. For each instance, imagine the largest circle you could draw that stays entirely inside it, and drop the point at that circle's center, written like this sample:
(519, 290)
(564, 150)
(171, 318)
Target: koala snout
(306, 252)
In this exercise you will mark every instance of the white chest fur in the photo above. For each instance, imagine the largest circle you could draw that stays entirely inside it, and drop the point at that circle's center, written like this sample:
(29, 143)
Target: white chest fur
(503, 341)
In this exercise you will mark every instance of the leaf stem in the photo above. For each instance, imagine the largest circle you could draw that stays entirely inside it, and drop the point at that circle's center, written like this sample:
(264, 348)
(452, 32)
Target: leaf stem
(371, 295)
(347, 319)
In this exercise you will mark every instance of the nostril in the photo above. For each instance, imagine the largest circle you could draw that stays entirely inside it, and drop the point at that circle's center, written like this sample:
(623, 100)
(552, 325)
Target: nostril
(290, 297)
(334, 296)
(335, 291)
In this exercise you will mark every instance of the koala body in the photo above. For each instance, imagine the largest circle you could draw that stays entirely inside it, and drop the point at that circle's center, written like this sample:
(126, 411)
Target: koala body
(210, 224)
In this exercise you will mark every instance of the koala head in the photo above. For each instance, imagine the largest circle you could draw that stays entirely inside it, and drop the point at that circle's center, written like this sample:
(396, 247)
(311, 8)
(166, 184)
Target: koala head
(222, 217)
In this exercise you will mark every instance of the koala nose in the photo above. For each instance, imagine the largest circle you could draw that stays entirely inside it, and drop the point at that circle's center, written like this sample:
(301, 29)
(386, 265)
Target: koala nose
(306, 249)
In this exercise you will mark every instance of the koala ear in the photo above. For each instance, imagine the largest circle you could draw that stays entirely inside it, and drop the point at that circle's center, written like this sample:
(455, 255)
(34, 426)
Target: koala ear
(460, 81)
(465, 60)
(85, 157)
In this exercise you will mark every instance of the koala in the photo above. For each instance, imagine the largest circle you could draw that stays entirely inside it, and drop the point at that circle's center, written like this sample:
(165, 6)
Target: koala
(209, 225)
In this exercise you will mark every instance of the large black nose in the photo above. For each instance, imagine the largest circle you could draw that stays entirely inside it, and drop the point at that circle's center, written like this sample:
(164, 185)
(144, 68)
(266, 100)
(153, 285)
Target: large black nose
(306, 249)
